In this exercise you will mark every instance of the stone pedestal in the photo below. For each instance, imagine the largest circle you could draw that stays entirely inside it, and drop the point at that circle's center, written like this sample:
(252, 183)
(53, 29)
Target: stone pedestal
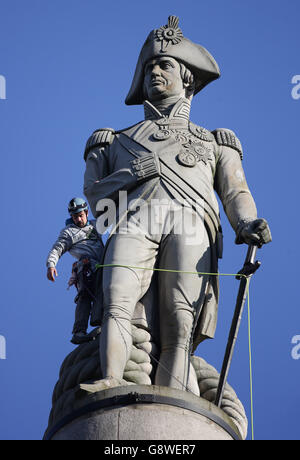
(142, 412)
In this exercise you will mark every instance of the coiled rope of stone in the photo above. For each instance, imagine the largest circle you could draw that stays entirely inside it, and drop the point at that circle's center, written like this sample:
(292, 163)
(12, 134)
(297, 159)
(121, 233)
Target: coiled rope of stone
(207, 274)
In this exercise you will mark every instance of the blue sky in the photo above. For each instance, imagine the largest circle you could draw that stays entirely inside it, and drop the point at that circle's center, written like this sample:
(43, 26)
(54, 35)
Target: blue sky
(68, 67)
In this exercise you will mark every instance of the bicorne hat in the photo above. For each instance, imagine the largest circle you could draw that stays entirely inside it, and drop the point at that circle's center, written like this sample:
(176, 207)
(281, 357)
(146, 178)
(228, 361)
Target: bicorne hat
(168, 40)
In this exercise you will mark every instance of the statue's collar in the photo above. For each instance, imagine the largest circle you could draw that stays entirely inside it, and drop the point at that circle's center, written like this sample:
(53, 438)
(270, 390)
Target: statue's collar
(180, 111)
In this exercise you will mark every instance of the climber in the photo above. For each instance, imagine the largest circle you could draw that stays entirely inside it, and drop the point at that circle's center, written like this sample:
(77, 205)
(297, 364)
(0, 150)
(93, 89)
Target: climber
(81, 239)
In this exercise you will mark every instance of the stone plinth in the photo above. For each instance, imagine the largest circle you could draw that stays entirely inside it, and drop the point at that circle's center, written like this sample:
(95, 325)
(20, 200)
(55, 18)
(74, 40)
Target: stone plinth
(143, 412)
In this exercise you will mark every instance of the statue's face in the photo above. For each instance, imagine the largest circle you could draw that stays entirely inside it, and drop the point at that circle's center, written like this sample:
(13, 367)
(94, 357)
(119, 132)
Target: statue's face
(162, 79)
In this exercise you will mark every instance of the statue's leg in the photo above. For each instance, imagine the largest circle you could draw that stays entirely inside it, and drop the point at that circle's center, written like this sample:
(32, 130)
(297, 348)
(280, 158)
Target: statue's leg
(181, 297)
(122, 288)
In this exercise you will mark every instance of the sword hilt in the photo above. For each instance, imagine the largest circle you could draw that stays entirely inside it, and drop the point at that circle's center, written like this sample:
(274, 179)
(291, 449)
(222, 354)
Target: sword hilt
(250, 265)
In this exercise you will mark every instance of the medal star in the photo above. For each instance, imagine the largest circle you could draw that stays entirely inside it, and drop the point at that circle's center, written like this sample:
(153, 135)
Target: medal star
(198, 150)
(201, 154)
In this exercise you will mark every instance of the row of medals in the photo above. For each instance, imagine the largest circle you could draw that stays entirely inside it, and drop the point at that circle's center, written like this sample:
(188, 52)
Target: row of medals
(193, 148)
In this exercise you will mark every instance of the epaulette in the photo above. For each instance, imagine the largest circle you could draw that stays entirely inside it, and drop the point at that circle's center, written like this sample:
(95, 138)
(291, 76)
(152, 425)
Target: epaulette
(228, 138)
(99, 138)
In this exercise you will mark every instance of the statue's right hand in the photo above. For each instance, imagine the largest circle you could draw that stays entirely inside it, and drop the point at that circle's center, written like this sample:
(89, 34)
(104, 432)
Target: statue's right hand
(51, 273)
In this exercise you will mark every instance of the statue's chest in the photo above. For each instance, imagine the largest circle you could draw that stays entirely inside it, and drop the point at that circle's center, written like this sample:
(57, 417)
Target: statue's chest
(194, 144)
(188, 147)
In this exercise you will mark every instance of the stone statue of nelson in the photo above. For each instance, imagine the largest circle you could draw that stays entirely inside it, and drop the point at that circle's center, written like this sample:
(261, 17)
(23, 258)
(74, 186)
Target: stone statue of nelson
(167, 159)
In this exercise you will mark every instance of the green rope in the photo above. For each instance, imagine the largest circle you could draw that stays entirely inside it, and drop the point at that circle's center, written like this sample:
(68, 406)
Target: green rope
(250, 360)
(210, 274)
(168, 270)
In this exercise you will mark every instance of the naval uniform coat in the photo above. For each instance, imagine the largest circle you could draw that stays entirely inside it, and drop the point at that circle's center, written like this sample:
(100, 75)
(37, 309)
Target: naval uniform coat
(184, 162)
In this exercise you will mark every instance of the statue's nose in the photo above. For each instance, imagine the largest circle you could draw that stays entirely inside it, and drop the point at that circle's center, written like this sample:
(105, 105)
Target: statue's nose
(155, 70)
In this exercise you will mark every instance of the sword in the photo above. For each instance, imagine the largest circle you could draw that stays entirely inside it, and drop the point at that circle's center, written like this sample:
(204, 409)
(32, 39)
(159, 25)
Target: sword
(244, 275)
